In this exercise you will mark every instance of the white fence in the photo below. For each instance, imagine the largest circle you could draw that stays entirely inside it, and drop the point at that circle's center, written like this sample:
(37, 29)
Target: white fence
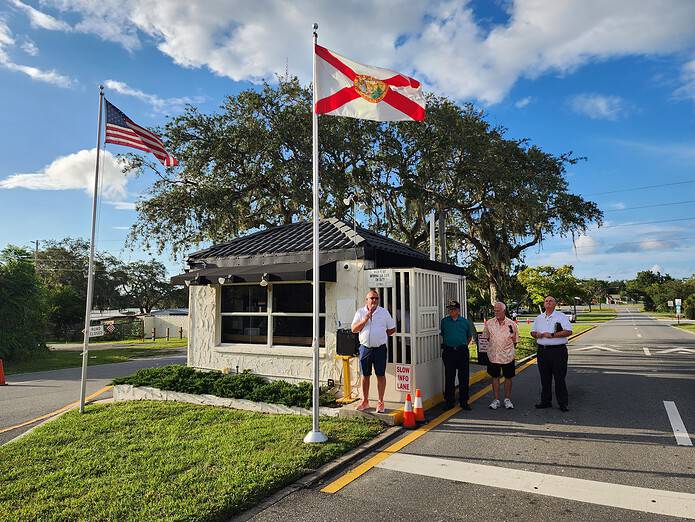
(162, 322)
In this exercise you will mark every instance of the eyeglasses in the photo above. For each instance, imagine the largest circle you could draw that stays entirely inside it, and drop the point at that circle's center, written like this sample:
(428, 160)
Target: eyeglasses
(373, 298)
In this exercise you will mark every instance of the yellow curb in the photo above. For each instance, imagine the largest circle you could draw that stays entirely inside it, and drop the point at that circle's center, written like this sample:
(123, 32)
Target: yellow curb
(61, 410)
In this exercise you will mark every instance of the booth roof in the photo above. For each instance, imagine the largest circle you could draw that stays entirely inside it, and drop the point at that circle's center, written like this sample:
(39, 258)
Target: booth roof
(292, 243)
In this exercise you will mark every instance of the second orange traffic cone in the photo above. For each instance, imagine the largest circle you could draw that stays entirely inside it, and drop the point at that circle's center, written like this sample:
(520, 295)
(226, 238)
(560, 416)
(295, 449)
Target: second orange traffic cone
(419, 410)
(408, 415)
(2, 375)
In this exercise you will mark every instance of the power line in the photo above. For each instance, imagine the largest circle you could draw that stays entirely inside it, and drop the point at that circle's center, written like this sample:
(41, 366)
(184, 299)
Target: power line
(648, 222)
(651, 206)
(645, 187)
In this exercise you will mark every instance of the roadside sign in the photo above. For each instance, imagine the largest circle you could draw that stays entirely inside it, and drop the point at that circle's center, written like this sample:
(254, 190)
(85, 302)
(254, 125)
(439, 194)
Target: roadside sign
(670, 304)
(678, 302)
(404, 377)
(110, 327)
(96, 331)
(379, 278)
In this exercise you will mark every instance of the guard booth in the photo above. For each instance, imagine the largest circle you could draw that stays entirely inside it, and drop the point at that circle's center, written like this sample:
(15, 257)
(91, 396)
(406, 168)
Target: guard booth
(250, 305)
(417, 300)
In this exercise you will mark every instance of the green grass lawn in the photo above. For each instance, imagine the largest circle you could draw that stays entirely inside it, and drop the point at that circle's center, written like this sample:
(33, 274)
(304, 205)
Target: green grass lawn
(162, 461)
(58, 359)
(684, 326)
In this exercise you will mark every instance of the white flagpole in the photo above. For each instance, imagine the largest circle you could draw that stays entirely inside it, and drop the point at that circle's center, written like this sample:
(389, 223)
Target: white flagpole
(315, 434)
(90, 272)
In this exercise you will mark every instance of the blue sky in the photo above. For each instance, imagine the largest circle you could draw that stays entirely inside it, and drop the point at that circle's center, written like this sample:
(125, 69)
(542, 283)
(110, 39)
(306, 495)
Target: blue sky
(603, 79)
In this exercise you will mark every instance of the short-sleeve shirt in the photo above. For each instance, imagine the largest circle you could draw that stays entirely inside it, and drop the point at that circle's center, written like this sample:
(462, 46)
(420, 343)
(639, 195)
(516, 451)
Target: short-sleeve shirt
(501, 347)
(374, 332)
(546, 323)
(456, 333)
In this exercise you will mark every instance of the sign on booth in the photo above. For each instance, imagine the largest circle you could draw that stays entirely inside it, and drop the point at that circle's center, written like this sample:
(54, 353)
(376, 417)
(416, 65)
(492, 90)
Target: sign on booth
(404, 377)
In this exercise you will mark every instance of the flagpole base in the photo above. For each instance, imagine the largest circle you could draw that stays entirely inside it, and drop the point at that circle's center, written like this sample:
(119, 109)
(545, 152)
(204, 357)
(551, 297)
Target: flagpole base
(315, 437)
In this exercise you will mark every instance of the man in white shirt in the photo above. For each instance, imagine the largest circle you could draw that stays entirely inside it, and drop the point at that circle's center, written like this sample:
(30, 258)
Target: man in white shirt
(551, 330)
(374, 324)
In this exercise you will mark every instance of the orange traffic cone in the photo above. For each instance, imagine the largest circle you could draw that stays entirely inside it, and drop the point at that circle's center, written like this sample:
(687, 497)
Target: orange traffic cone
(419, 410)
(2, 375)
(408, 415)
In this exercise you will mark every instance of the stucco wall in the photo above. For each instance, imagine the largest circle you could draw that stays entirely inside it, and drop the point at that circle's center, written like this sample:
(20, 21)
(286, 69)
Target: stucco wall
(291, 363)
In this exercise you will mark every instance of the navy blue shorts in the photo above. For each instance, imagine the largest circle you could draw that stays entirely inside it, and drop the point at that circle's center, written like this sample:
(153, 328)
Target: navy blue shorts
(373, 357)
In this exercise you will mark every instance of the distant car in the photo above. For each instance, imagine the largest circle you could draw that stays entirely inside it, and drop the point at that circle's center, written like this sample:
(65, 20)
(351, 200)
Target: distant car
(572, 318)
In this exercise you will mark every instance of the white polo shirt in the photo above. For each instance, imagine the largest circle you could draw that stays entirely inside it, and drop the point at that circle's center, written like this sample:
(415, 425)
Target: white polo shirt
(546, 323)
(374, 332)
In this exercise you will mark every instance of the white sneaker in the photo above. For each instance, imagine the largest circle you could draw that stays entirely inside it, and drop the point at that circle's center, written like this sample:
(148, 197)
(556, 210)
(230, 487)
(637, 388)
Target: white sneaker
(494, 404)
(508, 404)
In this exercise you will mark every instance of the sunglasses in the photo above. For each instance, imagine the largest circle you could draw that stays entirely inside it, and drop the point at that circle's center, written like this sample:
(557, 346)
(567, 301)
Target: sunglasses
(373, 298)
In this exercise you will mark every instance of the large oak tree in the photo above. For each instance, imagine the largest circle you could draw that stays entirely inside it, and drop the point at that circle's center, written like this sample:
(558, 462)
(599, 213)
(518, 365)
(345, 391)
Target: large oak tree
(248, 167)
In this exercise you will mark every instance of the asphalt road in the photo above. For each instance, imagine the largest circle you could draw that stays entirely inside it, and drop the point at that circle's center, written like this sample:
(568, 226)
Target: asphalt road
(32, 395)
(524, 463)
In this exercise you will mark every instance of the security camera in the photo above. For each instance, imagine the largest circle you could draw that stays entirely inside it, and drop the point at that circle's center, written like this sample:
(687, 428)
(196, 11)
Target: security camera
(346, 266)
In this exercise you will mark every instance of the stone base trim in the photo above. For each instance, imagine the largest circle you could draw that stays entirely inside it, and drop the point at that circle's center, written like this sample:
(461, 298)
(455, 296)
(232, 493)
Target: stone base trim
(127, 392)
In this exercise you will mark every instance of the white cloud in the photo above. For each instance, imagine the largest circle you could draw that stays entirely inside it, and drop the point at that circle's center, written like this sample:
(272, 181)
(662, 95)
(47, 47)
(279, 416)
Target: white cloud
(75, 171)
(523, 102)
(617, 206)
(121, 228)
(439, 42)
(40, 19)
(684, 151)
(123, 205)
(157, 103)
(656, 269)
(598, 107)
(52, 77)
(687, 89)
(29, 47)
(586, 244)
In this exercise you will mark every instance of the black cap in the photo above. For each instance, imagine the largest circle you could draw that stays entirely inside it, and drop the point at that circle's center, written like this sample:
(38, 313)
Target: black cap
(453, 304)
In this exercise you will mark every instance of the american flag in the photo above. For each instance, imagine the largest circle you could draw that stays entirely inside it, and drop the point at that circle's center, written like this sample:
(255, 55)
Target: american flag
(121, 130)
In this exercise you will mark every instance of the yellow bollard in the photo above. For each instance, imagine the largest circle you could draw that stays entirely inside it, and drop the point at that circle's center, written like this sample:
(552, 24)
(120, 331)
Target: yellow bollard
(347, 397)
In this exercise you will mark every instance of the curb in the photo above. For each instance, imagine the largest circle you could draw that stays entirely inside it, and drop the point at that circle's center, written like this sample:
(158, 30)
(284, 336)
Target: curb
(682, 329)
(315, 476)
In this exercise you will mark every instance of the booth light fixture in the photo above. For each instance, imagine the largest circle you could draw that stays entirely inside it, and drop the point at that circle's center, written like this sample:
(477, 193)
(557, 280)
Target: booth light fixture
(264, 279)
(221, 280)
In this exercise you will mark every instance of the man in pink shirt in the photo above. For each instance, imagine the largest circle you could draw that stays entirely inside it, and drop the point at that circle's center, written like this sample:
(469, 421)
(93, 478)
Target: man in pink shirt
(503, 336)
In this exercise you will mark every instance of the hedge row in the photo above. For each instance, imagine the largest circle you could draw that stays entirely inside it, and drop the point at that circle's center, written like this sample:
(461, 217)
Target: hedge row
(233, 386)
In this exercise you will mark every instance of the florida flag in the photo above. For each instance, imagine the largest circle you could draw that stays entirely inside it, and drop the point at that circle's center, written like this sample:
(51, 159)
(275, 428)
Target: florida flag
(347, 88)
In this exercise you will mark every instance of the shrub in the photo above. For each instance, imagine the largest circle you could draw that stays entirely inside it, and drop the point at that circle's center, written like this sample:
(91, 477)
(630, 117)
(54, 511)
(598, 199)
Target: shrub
(244, 385)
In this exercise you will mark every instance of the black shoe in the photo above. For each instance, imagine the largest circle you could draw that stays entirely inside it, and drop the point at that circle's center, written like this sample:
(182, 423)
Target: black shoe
(543, 405)
(563, 407)
(448, 405)
(466, 407)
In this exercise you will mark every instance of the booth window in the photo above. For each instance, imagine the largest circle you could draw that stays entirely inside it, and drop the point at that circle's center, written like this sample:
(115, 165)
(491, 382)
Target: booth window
(279, 313)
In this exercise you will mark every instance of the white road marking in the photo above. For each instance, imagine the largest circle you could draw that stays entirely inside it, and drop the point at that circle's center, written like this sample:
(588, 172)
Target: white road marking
(679, 431)
(646, 350)
(596, 347)
(678, 350)
(647, 500)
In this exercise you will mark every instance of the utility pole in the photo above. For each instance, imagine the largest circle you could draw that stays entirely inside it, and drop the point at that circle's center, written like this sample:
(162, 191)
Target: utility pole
(36, 253)
(442, 235)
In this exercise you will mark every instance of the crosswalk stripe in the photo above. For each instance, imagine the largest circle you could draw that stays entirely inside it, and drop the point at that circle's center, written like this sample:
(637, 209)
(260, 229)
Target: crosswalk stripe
(647, 500)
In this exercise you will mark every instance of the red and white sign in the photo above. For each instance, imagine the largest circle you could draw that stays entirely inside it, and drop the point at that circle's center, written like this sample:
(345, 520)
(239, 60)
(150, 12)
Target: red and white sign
(404, 377)
(355, 90)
